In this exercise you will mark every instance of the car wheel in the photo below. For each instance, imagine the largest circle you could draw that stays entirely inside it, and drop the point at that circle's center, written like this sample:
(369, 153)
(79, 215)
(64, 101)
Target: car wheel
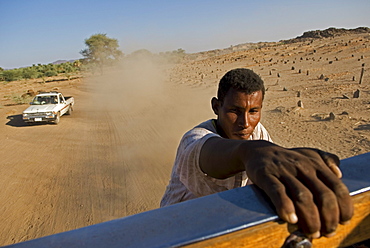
(57, 119)
(69, 111)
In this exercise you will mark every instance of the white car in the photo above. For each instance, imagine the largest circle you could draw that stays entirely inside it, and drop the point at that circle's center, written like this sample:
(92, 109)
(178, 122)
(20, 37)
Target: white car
(48, 107)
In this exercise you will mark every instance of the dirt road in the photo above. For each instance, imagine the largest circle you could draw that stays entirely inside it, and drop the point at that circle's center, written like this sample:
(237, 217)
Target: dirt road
(110, 158)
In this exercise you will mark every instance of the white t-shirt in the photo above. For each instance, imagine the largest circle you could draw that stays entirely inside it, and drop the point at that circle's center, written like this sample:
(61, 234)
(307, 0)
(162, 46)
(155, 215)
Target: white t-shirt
(188, 181)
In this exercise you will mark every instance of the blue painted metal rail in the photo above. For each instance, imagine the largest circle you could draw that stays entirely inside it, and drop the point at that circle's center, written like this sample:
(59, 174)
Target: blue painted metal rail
(192, 221)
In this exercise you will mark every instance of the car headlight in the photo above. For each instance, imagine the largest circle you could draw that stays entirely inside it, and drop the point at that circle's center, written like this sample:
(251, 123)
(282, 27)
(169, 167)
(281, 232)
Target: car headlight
(49, 115)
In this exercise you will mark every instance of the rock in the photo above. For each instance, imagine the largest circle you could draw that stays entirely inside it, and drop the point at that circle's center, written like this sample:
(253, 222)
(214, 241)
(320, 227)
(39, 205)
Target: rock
(11, 112)
(331, 116)
(279, 109)
(30, 93)
(300, 104)
(356, 94)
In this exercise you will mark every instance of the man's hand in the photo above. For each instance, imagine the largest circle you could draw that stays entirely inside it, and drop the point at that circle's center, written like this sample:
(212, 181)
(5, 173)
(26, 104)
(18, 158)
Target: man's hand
(302, 186)
(302, 183)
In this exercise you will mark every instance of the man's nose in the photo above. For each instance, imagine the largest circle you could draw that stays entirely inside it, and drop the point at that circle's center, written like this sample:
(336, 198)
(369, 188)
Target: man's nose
(244, 120)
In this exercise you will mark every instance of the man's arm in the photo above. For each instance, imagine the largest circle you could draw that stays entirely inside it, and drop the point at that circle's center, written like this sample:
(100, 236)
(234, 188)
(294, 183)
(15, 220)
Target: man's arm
(300, 182)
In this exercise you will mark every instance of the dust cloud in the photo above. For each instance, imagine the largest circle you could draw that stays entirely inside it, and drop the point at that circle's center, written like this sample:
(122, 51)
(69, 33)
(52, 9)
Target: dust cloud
(135, 84)
(143, 85)
(146, 114)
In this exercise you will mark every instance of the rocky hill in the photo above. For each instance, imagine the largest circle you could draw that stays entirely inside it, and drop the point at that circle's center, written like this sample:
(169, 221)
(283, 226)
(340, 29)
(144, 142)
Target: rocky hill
(327, 33)
(307, 36)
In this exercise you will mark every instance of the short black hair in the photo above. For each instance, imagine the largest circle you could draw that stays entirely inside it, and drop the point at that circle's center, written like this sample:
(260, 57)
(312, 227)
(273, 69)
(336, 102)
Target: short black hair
(241, 79)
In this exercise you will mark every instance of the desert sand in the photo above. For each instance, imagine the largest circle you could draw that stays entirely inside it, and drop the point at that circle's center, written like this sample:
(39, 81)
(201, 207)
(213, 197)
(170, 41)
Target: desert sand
(113, 156)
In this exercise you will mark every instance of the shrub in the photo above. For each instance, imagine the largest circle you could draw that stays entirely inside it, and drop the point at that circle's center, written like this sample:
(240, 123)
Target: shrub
(30, 72)
(12, 75)
(50, 73)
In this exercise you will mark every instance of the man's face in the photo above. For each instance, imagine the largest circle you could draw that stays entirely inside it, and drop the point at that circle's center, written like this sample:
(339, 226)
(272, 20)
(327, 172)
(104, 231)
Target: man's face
(239, 114)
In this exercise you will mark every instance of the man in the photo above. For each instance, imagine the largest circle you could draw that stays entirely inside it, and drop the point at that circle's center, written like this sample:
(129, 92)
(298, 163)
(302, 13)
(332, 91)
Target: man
(217, 155)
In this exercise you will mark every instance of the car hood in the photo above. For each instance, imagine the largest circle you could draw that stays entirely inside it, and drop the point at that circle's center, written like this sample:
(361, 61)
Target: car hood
(40, 108)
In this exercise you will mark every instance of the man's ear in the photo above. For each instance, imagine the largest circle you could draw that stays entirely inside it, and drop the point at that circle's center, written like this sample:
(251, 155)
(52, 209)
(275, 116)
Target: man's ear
(215, 105)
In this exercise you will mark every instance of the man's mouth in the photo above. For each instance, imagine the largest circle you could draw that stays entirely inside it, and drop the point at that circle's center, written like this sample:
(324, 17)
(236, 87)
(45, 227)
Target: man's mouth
(242, 135)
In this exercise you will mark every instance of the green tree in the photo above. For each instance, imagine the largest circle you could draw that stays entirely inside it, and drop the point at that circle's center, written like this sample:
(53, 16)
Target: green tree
(50, 73)
(1, 74)
(101, 50)
(175, 56)
(12, 75)
(30, 72)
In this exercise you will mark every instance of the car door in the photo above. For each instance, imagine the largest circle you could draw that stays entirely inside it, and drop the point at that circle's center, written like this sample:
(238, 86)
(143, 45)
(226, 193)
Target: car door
(63, 104)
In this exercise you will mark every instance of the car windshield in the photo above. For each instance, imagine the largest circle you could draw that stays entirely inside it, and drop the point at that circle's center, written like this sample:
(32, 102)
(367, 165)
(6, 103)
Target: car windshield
(41, 100)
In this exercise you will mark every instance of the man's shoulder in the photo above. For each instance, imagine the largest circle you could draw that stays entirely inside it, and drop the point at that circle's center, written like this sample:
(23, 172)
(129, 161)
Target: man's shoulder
(205, 128)
(209, 125)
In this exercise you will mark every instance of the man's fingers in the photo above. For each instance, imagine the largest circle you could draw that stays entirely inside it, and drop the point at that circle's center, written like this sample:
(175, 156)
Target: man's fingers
(332, 161)
(283, 204)
(305, 182)
(305, 207)
(341, 192)
(327, 204)
(342, 195)
(335, 170)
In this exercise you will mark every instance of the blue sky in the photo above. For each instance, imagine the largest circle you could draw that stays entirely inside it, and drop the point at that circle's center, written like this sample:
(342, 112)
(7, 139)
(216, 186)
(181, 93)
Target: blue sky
(43, 31)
